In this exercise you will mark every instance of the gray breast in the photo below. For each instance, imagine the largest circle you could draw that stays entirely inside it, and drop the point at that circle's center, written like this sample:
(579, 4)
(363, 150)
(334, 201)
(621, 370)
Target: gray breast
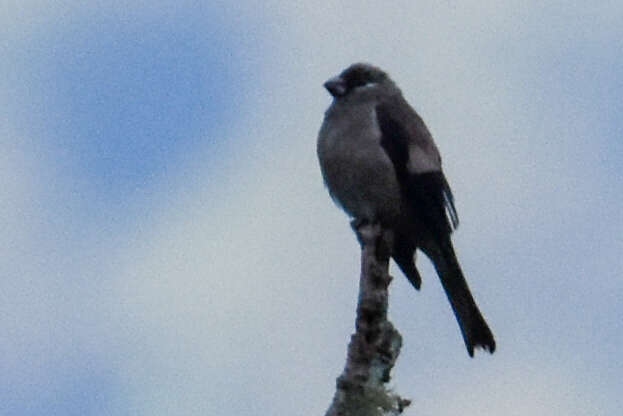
(357, 171)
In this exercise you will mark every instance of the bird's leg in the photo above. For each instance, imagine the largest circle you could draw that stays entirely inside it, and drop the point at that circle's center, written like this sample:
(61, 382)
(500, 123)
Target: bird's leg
(356, 224)
(383, 246)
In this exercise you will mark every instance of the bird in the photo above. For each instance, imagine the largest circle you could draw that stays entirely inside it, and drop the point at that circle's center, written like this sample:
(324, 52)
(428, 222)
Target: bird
(380, 165)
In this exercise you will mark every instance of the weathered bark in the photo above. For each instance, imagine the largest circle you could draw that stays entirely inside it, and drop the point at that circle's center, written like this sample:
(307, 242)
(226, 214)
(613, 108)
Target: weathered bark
(375, 345)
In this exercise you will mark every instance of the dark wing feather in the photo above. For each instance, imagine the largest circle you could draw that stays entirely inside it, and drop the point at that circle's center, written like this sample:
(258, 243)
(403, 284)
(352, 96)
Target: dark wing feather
(410, 147)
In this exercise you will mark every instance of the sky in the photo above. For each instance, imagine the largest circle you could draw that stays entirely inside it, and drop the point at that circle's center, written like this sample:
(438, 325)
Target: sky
(168, 246)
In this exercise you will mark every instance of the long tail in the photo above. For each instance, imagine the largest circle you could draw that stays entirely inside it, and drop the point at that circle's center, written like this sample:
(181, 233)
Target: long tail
(476, 332)
(403, 254)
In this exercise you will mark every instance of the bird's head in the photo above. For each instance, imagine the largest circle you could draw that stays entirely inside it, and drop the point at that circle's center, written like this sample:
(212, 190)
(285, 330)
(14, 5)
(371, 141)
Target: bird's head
(356, 78)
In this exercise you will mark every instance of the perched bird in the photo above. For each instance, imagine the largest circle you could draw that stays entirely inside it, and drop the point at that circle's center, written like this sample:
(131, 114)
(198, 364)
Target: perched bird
(380, 164)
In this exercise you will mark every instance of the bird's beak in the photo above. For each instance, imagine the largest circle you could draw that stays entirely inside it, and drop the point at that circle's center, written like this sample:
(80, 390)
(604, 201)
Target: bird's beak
(336, 86)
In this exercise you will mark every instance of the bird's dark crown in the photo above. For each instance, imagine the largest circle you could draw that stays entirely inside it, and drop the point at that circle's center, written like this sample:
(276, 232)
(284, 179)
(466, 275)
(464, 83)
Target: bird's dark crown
(360, 74)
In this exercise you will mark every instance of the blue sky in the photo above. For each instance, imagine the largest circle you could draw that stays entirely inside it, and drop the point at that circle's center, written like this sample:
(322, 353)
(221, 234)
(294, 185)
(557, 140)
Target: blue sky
(170, 248)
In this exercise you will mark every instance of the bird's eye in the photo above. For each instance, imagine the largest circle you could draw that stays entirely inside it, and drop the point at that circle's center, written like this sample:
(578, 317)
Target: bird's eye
(362, 82)
(359, 77)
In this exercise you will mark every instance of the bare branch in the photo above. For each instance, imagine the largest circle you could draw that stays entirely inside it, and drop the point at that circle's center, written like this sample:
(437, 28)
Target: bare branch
(375, 345)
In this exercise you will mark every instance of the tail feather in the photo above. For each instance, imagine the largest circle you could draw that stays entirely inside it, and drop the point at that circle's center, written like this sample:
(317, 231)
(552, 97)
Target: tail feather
(403, 254)
(474, 328)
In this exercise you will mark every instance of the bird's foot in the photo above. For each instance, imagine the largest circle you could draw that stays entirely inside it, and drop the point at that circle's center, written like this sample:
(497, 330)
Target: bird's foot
(364, 228)
(372, 232)
(357, 223)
